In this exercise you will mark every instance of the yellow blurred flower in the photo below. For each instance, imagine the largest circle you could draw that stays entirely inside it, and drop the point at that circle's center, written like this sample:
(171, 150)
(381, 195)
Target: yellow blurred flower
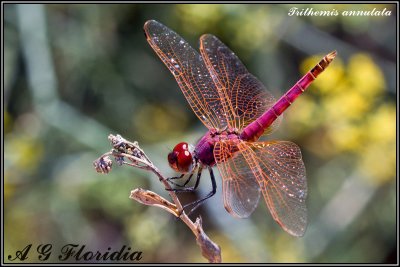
(378, 163)
(365, 76)
(23, 153)
(198, 17)
(346, 136)
(250, 40)
(381, 125)
(9, 188)
(285, 250)
(346, 106)
(378, 156)
(166, 121)
(349, 97)
(22, 157)
(7, 122)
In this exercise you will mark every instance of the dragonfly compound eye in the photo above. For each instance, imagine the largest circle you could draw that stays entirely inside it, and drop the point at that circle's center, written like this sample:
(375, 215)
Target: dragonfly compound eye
(180, 159)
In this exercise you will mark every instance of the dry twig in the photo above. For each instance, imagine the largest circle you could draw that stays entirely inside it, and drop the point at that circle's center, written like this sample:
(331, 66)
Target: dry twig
(123, 149)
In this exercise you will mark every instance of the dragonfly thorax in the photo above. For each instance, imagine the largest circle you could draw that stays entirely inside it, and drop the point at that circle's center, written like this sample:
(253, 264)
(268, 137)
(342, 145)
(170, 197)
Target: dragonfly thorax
(181, 158)
(204, 150)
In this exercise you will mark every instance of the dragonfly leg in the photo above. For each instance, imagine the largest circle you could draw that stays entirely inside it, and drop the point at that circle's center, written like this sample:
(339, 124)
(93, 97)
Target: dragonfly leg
(188, 189)
(197, 203)
(169, 179)
(179, 177)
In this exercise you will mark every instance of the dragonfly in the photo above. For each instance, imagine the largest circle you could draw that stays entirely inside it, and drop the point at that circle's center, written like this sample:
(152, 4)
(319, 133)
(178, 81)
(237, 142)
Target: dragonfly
(237, 110)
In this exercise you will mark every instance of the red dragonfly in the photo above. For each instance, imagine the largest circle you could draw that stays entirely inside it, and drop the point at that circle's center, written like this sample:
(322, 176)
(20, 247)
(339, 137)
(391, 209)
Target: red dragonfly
(237, 110)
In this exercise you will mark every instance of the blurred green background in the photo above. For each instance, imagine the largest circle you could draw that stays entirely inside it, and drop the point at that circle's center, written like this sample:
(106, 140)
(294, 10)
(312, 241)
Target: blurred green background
(75, 73)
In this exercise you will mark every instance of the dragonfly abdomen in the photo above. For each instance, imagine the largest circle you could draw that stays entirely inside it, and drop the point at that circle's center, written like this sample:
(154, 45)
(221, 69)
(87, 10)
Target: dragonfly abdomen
(255, 129)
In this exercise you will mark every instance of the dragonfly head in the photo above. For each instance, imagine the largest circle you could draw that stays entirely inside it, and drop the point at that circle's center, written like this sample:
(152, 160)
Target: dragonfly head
(180, 158)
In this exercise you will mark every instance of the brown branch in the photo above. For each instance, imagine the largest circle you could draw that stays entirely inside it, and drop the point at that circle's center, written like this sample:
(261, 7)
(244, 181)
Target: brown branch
(123, 149)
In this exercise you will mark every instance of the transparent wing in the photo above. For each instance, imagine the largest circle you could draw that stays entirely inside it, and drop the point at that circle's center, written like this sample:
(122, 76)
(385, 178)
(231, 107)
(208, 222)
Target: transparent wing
(243, 97)
(241, 192)
(190, 72)
(280, 173)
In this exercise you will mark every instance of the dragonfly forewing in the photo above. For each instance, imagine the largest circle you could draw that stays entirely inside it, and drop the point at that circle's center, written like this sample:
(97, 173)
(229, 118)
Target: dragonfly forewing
(190, 71)
(243, 97)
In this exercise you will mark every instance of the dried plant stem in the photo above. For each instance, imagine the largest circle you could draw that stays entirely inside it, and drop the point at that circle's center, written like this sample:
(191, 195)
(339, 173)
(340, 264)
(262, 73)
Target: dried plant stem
(123, 149)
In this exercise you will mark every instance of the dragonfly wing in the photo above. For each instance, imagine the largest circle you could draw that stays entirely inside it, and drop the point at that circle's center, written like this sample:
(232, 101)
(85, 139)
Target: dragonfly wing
(280, 172)
(244, 98)
(241, 192)
(190, 72)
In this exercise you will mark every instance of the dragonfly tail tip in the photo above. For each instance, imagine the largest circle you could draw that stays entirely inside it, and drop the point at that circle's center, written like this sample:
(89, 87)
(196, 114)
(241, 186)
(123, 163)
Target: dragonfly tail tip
(331, 56)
